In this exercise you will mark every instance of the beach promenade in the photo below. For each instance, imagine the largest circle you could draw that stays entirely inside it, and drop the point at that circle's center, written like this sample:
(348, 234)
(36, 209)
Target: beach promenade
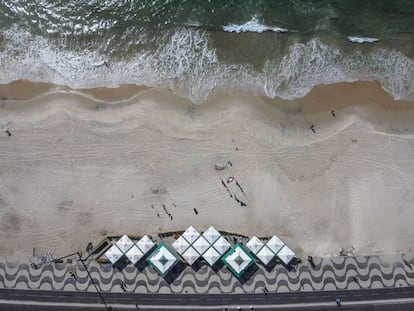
(336, 273)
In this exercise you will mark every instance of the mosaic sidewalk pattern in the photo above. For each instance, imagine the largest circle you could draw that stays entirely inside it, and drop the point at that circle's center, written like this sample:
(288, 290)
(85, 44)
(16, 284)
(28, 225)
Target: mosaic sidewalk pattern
(328, 274)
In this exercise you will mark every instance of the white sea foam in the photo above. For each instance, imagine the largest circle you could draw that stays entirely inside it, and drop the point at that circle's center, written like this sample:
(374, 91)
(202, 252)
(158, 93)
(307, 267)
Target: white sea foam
(362, 39)
(252, 26)
(186, 63)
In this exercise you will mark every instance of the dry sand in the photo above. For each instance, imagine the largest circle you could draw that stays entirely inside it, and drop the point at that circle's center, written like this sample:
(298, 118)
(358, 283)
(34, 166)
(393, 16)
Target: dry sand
(78, 167)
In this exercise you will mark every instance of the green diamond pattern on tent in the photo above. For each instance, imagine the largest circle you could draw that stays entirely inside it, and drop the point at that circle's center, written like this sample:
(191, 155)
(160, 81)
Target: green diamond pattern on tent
(162, 259)
(238, 259)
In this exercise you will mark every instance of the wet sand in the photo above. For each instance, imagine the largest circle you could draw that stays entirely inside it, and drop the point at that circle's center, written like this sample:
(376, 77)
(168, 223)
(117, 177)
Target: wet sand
(83, 164)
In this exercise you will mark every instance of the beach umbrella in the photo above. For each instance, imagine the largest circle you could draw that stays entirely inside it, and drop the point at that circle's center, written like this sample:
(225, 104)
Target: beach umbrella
(124, 243)
(275, 244)
(190, 234)
(211, 234)
(254, 244)
(180, 245)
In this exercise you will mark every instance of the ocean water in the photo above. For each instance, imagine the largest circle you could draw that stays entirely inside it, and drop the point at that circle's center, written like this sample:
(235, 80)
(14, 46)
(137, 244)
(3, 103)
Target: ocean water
(199, 48)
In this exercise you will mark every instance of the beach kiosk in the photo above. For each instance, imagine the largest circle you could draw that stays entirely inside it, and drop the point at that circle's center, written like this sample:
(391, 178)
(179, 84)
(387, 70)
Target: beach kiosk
(238, 259)
(162, 259)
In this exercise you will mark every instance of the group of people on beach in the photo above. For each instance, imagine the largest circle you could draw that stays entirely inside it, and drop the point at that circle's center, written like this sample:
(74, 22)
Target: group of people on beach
(165, 210)
(228, 182)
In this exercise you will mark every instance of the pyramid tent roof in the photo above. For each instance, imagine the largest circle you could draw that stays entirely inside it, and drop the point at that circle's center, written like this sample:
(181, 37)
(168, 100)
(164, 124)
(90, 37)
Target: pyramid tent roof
(211, 256)
(221, 245)
(286, 255)
(180, 245)
(124, 243)
(265, 255)
(191, 234)
(238, 259)
(191, 255)
(254, 244)
(201, 245)
(134, 254)
(211, 234)
(162, 259)
(145, 244)
(113, 254)
(275, 244)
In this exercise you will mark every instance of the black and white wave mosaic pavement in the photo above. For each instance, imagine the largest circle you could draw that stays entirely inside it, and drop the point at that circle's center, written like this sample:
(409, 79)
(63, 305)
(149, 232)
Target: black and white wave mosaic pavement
(328, 274)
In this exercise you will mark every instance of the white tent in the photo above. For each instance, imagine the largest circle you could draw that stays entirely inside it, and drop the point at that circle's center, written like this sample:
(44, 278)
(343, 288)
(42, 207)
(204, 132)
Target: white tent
(191, 234)
(113, 254)
(286, 255)
(134, 254)
(221, 245)
(180, 245)
(124, 243)
(275, 244)
(254, 244)
(145, 244)
(211, 234)
(211, 256)
(238, 260)
(190, 255)
(201, 245)
(163, 260)
(265, 255)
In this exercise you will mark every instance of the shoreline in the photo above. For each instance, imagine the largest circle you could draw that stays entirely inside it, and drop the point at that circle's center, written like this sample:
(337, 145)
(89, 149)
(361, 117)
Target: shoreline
(91, 166)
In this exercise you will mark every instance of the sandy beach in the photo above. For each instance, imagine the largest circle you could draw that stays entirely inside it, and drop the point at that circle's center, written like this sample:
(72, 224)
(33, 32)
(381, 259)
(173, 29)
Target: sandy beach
(83, 164)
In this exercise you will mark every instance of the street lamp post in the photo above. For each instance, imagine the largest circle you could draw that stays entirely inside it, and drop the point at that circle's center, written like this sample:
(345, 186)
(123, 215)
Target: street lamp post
(108, 308)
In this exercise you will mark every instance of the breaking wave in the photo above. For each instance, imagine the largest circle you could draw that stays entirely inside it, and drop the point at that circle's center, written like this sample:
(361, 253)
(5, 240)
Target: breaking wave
(186, 62)
(252, 26)
(362, 39)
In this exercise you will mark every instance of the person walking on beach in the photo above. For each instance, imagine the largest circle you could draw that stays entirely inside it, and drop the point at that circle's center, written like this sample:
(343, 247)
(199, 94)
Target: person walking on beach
(312, 263)
(333, 113)
(313, 129)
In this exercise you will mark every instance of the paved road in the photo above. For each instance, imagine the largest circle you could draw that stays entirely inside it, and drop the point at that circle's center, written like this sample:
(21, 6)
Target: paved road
(369, 299)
